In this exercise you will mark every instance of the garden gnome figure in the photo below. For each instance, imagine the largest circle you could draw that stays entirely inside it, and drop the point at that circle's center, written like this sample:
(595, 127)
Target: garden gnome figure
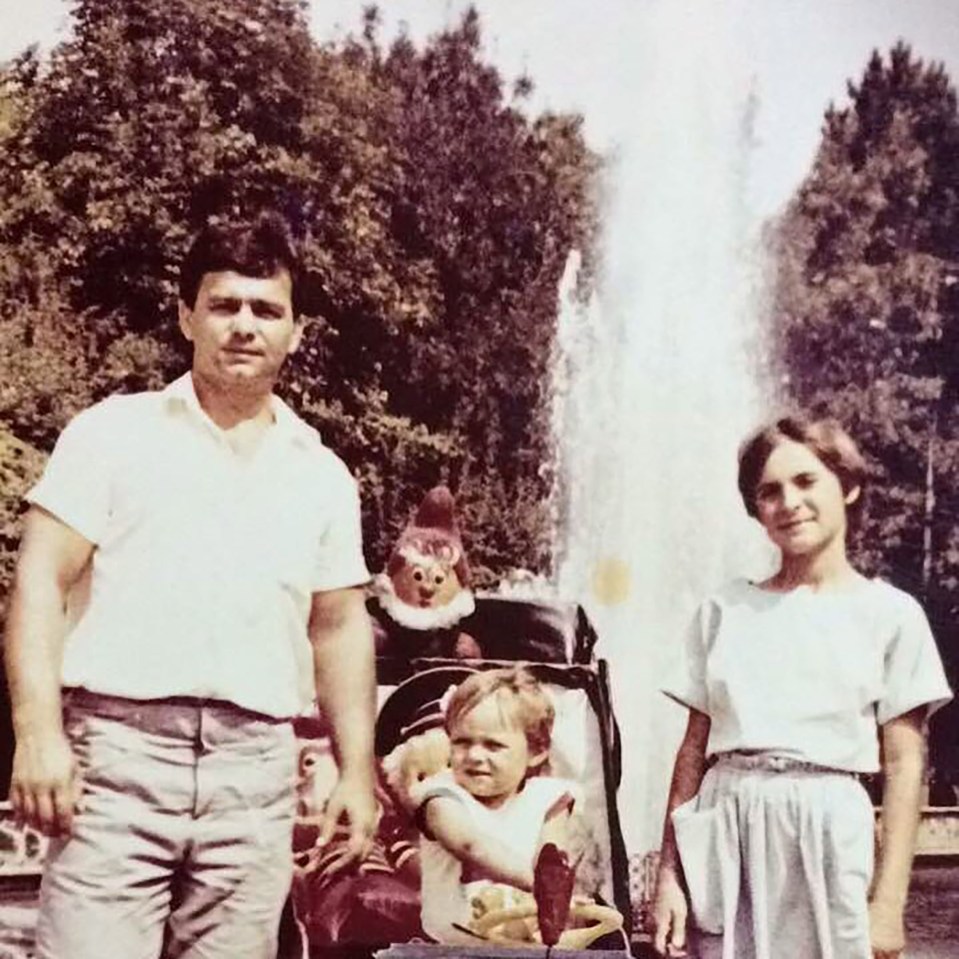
(425, 592)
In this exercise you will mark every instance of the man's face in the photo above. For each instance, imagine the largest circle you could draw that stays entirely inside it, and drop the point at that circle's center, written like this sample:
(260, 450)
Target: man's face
(242, 328)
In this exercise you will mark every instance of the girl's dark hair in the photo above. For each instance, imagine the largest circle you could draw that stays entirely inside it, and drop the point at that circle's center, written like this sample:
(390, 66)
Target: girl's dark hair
(259, 247)
(824, 437)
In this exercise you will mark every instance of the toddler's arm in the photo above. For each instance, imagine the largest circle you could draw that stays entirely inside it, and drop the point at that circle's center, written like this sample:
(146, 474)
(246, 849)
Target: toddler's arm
(450, 824)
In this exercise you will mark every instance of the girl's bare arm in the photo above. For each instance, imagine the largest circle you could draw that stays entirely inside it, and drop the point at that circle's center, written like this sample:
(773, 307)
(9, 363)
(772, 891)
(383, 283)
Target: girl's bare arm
(670, 908)
(903, 764)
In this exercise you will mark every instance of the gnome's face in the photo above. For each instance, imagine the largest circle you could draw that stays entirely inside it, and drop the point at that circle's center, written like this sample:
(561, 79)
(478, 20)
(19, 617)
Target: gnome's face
(426, 582)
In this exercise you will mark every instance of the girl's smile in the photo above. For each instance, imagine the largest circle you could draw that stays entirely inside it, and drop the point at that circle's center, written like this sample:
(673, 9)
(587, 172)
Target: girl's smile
(800, 501)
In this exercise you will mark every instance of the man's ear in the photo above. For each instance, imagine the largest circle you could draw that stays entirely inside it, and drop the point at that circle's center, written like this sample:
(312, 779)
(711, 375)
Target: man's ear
(299, 327)
(853, 495)
(184, 316)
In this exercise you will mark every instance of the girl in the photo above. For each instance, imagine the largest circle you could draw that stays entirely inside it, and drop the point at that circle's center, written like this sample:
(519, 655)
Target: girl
(768, 842)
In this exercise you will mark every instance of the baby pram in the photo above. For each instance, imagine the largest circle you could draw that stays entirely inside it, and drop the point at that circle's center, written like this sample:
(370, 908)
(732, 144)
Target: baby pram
(379, 904)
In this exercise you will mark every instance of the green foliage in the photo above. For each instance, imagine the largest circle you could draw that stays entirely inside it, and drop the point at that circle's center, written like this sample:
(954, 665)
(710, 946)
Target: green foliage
(435, 218)
(864, 311)
(20, 468)
(867, 315)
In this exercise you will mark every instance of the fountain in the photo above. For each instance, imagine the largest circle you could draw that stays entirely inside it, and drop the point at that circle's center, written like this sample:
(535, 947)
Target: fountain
(655, 385)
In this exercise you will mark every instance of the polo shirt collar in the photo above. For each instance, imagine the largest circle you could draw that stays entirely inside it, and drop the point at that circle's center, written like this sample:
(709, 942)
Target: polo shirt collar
(182, 392)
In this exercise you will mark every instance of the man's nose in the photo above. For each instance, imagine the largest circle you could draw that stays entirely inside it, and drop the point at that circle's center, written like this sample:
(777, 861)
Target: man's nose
(243, 320)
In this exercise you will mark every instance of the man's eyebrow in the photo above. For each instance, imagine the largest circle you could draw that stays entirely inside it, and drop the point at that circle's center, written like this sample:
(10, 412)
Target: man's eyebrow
(269, 305)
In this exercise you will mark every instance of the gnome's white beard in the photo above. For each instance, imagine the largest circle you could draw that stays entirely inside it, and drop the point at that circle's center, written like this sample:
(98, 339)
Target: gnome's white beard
(422, 617)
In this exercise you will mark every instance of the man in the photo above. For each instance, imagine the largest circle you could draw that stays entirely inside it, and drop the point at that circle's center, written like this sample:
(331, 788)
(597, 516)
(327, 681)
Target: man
(220, 541)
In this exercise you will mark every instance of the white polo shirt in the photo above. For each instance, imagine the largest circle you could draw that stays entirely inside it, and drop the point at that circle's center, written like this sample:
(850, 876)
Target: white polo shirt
(205, 562)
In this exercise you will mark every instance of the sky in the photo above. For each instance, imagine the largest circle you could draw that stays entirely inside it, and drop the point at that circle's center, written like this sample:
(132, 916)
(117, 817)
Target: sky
(797, 54)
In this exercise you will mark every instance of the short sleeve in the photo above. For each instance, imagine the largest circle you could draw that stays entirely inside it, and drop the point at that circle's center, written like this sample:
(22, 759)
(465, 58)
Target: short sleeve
(912, 669)
(686, 678)
(553, 789)
(76, 482)
(438, 786)
(339, 557)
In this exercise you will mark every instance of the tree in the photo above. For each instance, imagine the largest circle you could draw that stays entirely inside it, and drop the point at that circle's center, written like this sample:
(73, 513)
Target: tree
(487, 206)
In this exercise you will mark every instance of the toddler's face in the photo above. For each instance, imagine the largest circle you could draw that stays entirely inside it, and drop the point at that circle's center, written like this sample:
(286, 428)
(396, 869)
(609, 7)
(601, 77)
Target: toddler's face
(490, 756)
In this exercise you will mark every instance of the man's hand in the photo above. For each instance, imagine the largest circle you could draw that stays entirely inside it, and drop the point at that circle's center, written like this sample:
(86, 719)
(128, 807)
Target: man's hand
(669, 915)
(342, 641)
(45, 786)
(353, 803)
(887, 934)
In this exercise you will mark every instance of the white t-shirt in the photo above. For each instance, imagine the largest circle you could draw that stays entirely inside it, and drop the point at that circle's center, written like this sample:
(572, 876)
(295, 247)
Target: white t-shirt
(807, 673)
(446, 892)
(205, 562)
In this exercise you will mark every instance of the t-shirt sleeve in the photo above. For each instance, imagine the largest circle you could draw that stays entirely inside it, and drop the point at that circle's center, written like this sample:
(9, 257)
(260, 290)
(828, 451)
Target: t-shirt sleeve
(558, 793)
(912, 669)
(686, 676)
(76, 482)
(438, 786)
(339, 557)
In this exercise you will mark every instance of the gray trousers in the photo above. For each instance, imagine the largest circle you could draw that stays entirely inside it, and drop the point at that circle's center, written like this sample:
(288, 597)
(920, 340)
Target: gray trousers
(183, 843)
(778, 864)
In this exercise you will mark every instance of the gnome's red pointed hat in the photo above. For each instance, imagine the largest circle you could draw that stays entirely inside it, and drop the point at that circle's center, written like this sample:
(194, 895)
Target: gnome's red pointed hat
(432, 534)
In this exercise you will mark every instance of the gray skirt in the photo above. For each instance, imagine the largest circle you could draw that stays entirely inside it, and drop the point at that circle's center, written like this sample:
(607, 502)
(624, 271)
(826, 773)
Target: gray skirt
(777, 864)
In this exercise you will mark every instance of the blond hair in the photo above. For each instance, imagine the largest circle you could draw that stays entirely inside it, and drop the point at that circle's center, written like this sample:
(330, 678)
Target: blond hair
(521, 698)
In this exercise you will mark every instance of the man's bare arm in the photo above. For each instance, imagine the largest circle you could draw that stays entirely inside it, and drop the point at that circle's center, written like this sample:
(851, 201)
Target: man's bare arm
(342, 640)
(44, 787)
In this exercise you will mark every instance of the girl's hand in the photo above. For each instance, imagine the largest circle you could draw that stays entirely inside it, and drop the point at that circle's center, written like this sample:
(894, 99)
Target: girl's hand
(669, 915)
(886, 931)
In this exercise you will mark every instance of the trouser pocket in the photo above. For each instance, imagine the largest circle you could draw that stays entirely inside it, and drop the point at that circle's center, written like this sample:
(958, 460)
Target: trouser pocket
(706, 862)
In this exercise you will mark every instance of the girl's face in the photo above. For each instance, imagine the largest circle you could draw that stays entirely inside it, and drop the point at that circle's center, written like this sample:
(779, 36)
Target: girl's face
(490, 755)
(800, 501)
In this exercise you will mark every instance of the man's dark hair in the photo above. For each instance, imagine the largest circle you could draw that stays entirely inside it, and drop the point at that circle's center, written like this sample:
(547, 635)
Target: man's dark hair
(258, 247)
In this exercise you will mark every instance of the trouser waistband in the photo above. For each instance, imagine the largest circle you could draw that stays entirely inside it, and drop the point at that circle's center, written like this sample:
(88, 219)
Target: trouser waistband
(777, 763)
(122, 707)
